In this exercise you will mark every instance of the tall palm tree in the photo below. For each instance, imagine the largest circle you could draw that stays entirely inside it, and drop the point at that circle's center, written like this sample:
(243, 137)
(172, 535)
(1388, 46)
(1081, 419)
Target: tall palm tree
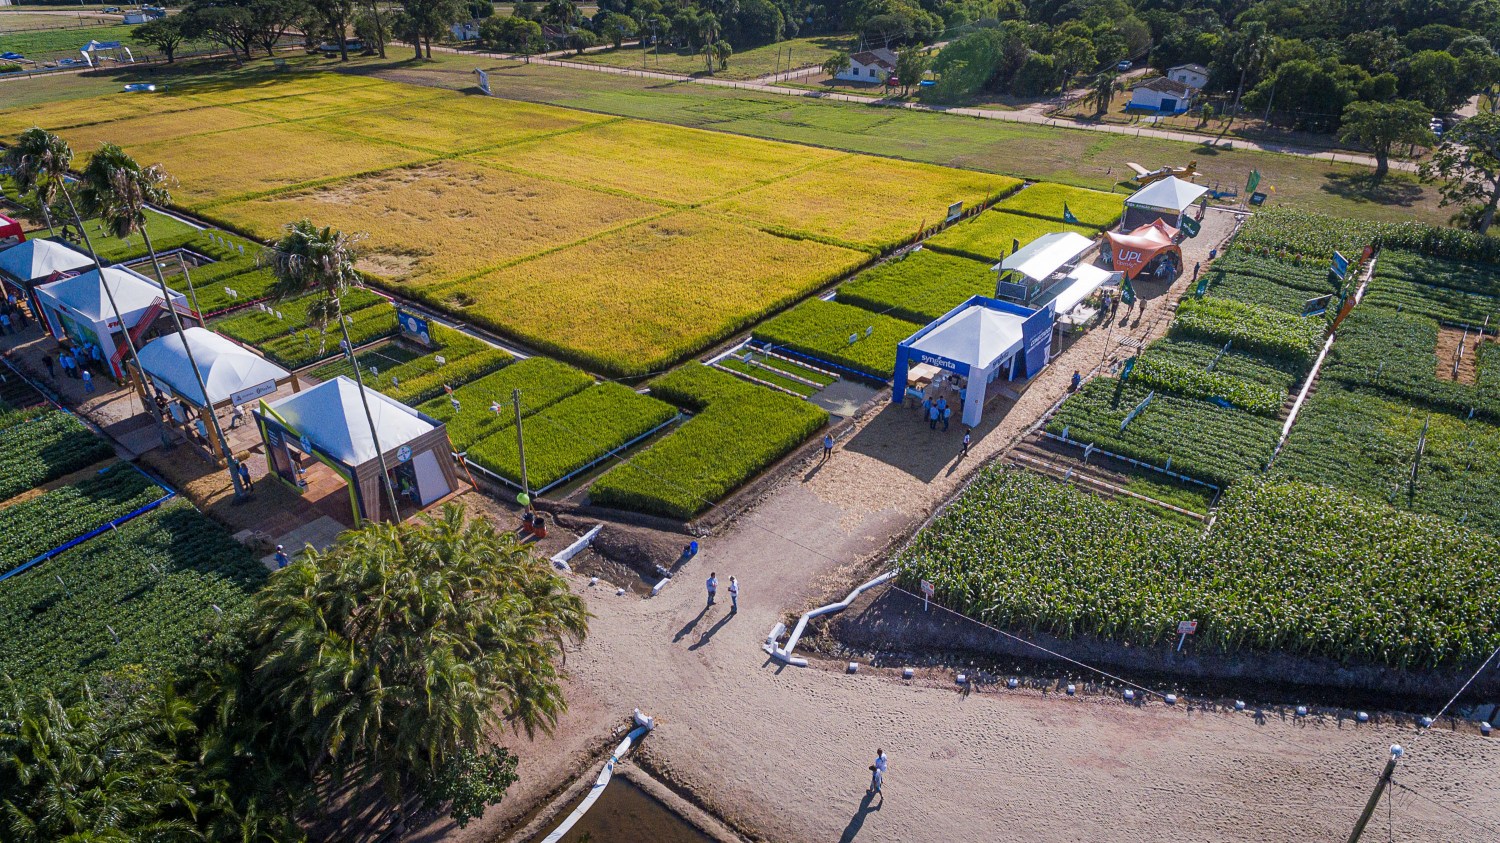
(406, 644)
(1105, 85)
(117, 189)
(39, 163)
(321, 261)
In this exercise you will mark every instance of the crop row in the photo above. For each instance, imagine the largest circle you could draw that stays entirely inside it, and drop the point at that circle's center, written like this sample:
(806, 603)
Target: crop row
(1442, 242)
(1194, 438)
(1286, 568)
(50, 520)
(920, 286)
(44, 447)
(994, 234)
(1368, 445)
(1304, 236)
(286, 317)
(842, 334)
(1193, 382)
(142, 594)
(1280, 375)
(738, 431)
(412, 377)
(1046, 200)
(1396, 354)
(468, 414)
(1444, 304)
(1249, 327)
(573, 433)
(1483, 279)
(309, 345)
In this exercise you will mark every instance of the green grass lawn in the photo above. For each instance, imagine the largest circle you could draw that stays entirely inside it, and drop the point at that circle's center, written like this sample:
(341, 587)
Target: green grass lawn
(753, 62)
(60, 43)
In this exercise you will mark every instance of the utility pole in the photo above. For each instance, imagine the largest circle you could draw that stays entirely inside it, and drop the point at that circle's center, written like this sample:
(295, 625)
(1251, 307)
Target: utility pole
(1385, 779)
(515, 397)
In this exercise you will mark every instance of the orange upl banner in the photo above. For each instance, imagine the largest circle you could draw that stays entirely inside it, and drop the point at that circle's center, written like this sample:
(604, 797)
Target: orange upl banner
(1129, 253)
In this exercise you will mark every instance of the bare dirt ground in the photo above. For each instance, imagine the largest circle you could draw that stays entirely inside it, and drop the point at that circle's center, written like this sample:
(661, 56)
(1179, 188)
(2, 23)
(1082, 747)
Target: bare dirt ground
(781, 753)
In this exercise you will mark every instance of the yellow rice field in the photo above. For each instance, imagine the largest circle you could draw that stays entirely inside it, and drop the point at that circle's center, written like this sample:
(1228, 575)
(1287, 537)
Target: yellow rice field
(637, 300)
(622, 245)
(438, 221)
(873, 202)
(448, 122)
(213, 168)
(656, 161)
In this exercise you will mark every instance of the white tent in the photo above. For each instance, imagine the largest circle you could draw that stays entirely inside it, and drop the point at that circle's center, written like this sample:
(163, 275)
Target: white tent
(1170, 195)
(976, 336)
(331, 416)
(36, 259)
(1082, 282)
(78, 308)
(1043, 256)
(231, 372)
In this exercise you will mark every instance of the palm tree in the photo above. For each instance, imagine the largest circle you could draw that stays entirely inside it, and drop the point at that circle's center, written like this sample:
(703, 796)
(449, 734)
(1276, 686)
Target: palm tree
(1251, 51)
(405, 645)
(39, 163)
(321, 261)
(118, 190)
(1105, 85)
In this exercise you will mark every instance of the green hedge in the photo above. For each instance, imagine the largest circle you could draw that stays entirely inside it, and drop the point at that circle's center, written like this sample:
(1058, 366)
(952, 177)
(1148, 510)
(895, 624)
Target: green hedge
(572, 433)
(740, 430)
(542, 382)
(1249, 327)
(822, 329)
(57, 517)
(1281, 375)
(920, 287)
(45, 447)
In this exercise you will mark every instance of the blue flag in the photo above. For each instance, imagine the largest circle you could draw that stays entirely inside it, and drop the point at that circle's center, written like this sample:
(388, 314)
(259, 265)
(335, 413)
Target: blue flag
(1068, 215)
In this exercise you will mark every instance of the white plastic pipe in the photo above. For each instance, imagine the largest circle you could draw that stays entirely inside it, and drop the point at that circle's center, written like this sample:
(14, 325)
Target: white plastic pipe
(645, 724)
(784, 654)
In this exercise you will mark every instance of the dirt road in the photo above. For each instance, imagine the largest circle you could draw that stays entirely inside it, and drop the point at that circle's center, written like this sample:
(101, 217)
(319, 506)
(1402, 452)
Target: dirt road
(782, 752)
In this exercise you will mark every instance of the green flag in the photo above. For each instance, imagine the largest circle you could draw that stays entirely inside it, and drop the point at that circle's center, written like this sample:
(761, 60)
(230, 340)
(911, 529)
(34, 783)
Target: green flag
(1190, 226)
(1068, 215)
(1254, 181)
(1127, 293)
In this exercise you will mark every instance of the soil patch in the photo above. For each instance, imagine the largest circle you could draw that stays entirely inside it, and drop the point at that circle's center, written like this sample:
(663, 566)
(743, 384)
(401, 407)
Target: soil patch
(1458, 354)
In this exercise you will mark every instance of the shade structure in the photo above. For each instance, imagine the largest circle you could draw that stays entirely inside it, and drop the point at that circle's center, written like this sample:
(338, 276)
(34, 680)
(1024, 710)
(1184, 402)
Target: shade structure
(1169, 195)
(328, 422)
(979, 340)
(11, 232)
(1082, 282)
(1043, 256)
(231, 372)
(40, 259)
(1130, 253)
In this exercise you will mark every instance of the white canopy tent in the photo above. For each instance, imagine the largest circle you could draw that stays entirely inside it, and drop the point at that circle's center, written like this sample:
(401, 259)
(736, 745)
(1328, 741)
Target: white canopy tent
(328, 422)
(233, 374)
(38, 259)
(1082, 282)
(79, 308)
(1166, 199)
(1043, 256)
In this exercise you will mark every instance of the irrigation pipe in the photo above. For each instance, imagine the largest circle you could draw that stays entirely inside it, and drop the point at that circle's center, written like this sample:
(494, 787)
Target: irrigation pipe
(644, 725)
(784, 654)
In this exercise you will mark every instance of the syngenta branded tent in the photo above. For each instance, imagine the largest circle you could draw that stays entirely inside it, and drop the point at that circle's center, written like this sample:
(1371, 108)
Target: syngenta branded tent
(328, 423)
(233, 374)
(979, 340)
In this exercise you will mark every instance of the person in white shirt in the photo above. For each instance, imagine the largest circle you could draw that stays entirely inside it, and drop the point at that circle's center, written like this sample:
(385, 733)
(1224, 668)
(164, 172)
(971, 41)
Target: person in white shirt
(734, 595)
(877, 772)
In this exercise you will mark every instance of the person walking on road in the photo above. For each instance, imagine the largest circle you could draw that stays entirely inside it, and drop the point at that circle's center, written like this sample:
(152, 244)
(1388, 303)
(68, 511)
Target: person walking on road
(282, 560)
(1077, 381)
(236, 417)
(877, 773)
(967, 439)
(1196, 268)
(713, 586)
(827, 446)
(244, 470)
(734, 595)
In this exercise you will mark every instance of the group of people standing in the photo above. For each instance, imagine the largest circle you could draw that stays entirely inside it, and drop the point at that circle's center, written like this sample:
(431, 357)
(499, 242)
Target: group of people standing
(12, 315)
(76, 362)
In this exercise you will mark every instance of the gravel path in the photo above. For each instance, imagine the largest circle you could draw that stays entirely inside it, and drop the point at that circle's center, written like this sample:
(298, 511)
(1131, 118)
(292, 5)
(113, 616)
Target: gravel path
(782, 752)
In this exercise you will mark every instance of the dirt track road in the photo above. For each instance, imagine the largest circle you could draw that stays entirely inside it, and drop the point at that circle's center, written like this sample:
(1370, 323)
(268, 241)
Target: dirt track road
(782, 752)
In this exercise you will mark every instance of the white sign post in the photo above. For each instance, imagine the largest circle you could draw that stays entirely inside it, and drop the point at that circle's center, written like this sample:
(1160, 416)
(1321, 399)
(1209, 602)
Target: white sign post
(1184, 629)
(927, 592)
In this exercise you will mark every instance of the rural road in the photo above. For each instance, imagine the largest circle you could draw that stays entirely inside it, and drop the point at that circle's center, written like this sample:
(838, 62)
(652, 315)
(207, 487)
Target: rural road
(782, 752)
(1022, 116)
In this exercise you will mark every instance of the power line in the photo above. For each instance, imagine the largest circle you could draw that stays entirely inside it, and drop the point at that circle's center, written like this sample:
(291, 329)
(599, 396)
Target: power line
(1492, 830)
